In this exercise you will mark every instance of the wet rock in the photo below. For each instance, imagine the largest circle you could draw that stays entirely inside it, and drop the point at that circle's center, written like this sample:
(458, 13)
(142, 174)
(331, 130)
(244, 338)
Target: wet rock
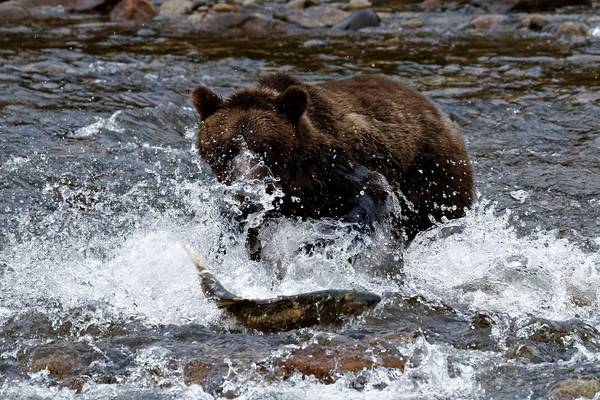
(571, 28)
(223, 7)
(489, 22)
(575, 389)
(301, 4)
(535, 22)
(146, 33)
(326, 361)
(174, 8)
(209, 374)
(65, 362)
(138, 11)
(321, 16)
(481, 321)
(358, 5)
(314, 43)
(358, 20)
(431, 5)
(12, 11)
(234, 23)
(561, 332)
(414, 23)
(529, 352)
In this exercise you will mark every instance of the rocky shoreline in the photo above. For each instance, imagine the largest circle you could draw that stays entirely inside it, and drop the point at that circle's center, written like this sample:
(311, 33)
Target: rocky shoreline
(256, 18)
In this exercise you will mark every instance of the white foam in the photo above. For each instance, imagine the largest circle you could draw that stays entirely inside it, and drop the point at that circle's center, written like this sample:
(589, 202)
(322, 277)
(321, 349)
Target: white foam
(109, 123)
(489, 267)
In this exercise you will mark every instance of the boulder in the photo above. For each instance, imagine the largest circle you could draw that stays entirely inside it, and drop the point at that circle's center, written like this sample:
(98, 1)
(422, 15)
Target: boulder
(575, 389)
(66, 362)
(235, 23)
(414, 23)
(12, 12)
(571, 28)
(209, 374)
(138, 11)
(175, 8)
(321, 16)
(359, 20)
(328, 360)
(535, 22)
(489, 21)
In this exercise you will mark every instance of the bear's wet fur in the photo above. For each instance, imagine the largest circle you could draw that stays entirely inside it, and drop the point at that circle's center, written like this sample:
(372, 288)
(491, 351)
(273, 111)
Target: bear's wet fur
(339, 148)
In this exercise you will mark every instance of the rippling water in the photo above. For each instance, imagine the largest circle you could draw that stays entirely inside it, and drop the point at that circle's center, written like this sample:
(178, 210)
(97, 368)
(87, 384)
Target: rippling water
(99, 180)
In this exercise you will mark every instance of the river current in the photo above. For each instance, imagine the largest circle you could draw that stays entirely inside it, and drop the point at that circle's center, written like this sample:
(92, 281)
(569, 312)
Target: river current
(99, 179)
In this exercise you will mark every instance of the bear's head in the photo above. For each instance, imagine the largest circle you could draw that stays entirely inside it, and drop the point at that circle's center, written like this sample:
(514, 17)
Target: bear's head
(259, 122)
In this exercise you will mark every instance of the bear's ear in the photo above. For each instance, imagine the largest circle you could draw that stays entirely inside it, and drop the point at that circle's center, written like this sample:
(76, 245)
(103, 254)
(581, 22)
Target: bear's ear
(293, 103)
(205, 101)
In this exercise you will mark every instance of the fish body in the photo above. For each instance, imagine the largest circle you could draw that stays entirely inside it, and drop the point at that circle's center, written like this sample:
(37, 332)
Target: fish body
(284, 313)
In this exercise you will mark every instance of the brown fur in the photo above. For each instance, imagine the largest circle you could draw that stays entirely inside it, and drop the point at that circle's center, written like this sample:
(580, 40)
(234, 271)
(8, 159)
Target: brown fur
(366, 133)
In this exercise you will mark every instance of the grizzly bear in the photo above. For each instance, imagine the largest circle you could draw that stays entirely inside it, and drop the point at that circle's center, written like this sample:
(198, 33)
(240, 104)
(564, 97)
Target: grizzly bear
(356, 150)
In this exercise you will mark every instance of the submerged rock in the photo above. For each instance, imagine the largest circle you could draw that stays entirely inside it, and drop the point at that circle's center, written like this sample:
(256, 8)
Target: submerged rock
(489, 22)
(322, 16)
(327, 361)
(235, 23)
(571, 28)
(535, 22)
(65, 362)
(575, 389)
(209, 374)
(414, 23)
(138, 11)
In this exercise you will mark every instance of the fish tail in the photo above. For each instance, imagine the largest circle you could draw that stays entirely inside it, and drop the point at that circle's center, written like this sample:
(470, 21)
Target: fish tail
(210, 285)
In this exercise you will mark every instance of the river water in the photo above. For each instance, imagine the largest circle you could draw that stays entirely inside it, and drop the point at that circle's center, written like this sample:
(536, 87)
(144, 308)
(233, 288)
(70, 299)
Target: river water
(98, 180)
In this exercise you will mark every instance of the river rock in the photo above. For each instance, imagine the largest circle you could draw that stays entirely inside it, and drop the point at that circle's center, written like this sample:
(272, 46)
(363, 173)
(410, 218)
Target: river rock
(299, 4)
(561, 332)
(489, 22)
(414, 23)
(326, 361)
(535, 22)
(431, 5)
(12, 11)
(138, 11)
(223, 7)
(65, 362)
(571, 28)
(321, 16)
(358, 20)
(235, 23)
(575, 389)
(174, 8)
(209, 374)
(357, 5)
